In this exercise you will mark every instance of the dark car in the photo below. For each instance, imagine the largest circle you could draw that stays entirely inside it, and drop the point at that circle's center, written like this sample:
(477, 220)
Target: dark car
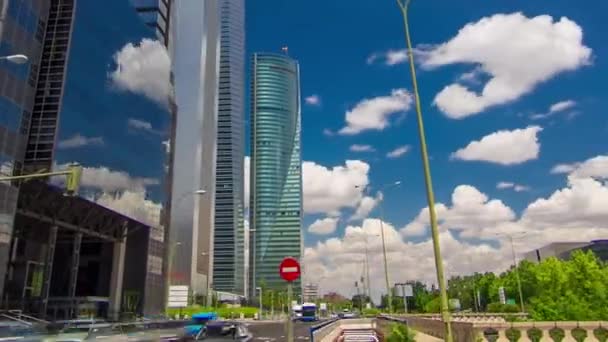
(218, 331)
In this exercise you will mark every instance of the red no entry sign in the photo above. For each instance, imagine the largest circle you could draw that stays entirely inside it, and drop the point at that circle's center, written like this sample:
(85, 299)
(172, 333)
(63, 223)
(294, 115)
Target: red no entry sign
(289, 269)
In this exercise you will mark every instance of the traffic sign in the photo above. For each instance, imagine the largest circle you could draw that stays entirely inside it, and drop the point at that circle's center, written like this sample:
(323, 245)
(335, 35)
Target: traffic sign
(289, 269)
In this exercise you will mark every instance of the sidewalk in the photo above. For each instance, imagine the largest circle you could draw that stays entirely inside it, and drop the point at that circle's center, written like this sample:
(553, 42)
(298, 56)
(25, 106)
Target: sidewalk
(420, 337)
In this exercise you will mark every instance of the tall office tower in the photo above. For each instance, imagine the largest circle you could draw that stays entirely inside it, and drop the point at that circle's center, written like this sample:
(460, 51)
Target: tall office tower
(228, 257)
(276, 177)
(40, 149)
(195, 52)
(22, 26)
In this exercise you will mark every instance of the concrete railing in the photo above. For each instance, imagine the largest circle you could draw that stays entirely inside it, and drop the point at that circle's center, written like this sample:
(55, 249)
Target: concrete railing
(486, 330)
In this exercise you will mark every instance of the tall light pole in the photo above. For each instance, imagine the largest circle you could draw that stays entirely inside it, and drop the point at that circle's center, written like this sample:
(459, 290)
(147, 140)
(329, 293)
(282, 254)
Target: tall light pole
(445, 313)
(518, 279)
(366, 268)
(388, 285)
(386, 277)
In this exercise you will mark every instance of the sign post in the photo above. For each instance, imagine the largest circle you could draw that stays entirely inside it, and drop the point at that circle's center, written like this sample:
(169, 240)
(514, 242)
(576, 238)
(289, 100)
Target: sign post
(289, 270)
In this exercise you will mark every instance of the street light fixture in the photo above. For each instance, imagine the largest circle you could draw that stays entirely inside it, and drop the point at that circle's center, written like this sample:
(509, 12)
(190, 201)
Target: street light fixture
(521, 295)
(445, 313)
(17, 59)
(386, 278)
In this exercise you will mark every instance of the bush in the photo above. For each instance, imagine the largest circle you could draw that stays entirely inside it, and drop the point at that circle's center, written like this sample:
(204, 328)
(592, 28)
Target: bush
(401, 333)
(224, 312)
(370, 312)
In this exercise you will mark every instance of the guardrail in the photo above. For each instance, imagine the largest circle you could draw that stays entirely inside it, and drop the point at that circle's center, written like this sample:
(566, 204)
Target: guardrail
(319, 331)
(333, 330)
(488, 330)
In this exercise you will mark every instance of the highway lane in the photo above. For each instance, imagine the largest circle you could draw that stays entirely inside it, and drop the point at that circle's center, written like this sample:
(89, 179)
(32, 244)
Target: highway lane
(275, 331)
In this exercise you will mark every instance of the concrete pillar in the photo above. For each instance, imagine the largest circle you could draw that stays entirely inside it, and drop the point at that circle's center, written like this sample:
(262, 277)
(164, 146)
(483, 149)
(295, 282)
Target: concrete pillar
(48, 269)
(118, 269)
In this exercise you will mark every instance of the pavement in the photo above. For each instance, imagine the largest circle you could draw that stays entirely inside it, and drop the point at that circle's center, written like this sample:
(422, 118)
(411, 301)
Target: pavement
(275, 331)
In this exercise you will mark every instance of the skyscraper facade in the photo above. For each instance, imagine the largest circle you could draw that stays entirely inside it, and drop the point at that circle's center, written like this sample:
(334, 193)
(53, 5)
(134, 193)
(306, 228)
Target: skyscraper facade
(22, 25)
(195, 55)
(276, 176)
(228, 262)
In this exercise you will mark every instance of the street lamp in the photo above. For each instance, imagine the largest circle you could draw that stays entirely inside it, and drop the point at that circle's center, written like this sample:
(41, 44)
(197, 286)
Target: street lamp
(521, 295)
(366, 268)
(17, 59)
(445, 313)
(386, 278)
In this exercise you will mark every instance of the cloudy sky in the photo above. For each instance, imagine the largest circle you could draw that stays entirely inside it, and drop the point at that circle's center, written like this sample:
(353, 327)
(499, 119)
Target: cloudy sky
(512, 94)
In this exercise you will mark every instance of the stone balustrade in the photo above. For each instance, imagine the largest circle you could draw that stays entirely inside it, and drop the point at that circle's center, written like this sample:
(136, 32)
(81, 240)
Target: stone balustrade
(492, 328)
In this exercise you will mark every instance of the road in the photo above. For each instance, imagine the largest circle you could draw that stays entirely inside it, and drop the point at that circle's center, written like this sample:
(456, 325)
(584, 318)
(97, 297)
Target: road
(275, 331)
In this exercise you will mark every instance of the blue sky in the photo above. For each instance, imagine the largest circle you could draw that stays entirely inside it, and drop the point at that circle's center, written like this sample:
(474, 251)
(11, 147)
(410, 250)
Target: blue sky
(333, 41)
(542, 69)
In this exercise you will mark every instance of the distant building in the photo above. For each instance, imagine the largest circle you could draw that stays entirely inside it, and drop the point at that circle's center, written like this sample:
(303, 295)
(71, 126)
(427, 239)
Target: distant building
(310, 292)
(563, 250)
(275, 209)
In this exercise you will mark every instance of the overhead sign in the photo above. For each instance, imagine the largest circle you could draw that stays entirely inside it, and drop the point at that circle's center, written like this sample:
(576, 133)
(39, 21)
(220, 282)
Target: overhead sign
(289, 269)
(178, 296)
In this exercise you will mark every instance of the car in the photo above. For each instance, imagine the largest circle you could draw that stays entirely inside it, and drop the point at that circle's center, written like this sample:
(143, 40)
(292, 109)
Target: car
(217, 331)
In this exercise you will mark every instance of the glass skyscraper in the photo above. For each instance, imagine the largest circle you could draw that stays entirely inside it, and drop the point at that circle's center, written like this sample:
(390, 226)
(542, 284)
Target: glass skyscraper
(228, 258)
(195, 51)
(22, 27)
(276, 176)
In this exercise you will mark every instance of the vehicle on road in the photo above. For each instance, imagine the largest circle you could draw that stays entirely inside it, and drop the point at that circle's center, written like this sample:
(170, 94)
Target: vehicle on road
(309, 312)
(217, 331)
(296, 311)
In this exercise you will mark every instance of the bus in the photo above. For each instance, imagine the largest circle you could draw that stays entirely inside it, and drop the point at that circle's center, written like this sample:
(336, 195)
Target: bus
(309, 312)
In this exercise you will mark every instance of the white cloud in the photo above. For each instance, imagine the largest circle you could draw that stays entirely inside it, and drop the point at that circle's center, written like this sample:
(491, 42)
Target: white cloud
(328, 132)
(79, 140)
(511, 185)
(596, 167)
(394, 57)
(133, 204)
(328, 190)
(366, 205)
(143, 69)
(313, 100)
(576, 212)
(398, 152)
(324, 226)
(518, 53)
(503, 147)
(362, 148)
(337, 262)
(142, 125)
(107, 180)
(374, 113)
(564, 168)
(554, 109)
(471, 211)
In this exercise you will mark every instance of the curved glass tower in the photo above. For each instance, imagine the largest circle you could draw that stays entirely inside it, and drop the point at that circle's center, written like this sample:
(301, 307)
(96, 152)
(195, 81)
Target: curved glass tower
(276, 177)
